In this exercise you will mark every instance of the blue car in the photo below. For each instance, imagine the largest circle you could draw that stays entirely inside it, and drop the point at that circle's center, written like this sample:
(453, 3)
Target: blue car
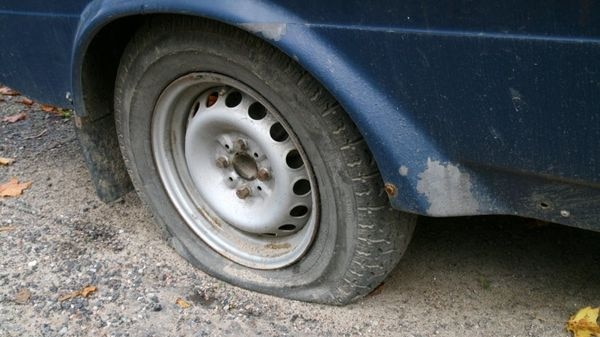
(287, 147)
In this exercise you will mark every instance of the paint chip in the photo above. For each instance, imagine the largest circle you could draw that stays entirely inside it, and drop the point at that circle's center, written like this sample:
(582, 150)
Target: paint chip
(448, 190)
(403, 171)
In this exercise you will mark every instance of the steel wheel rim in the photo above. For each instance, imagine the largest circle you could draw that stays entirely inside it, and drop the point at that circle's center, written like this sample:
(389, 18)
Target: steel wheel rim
(232, 172)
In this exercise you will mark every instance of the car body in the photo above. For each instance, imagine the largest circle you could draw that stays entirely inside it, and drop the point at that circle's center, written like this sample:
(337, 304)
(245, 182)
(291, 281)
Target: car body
(469, 108)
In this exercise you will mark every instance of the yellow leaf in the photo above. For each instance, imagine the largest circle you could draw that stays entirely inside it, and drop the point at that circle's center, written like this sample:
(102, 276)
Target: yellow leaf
(7, 229)
(85, 292)
(183, 304)
(6, 161)
(584, 323)
(13, 188)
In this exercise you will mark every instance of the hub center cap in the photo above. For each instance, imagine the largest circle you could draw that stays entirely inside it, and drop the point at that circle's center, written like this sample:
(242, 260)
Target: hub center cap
(245, 166)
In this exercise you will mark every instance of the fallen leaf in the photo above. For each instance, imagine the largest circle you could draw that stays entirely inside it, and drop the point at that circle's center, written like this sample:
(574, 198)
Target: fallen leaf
(15, 118)
(183, 304)
(85, 292)
(7, 229)
(6, 161)
(69, 296)
(26, 101)
(65, 113)
(584, 323)
(49, 108)
(22, 296)
(8, 91)
(88, 290)
(13, 188)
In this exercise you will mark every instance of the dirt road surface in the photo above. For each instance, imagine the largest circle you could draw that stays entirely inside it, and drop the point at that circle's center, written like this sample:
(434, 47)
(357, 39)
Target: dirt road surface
(492, 276)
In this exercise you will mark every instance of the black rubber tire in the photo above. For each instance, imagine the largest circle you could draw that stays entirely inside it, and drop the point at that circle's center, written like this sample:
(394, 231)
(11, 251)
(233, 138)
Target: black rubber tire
(359, 239)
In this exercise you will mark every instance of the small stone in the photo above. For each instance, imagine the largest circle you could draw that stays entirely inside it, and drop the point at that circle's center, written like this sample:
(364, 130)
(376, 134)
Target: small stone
(46, 329)
(32, 264)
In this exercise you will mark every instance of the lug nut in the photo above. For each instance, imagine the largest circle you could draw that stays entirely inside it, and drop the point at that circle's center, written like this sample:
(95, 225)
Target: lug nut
(242, 192)
(241, 144)
(263, 174)
(222, 162)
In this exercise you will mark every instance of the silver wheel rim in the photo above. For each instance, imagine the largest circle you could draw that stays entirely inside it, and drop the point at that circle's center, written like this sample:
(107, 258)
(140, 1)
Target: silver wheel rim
(234, 170)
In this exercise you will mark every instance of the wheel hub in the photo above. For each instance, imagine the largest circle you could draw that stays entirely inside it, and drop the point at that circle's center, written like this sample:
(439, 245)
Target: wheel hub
(245, 166)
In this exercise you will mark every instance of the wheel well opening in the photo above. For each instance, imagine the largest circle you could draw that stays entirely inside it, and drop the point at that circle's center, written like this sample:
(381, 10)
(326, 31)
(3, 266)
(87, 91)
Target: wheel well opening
(103, 55)
(100, 64)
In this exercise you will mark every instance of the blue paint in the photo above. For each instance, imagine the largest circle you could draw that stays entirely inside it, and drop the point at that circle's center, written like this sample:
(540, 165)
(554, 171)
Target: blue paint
(505, 93)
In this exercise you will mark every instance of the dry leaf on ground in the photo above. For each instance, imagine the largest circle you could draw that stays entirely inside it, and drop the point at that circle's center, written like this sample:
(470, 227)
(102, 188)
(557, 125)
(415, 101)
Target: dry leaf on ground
(15, 118)
(183, 304)
(584, 323)
(13, 188)
(8, 91)
(49, 108)
(22, 296)
(26, 101)
(6, 161)
(85, 292)
(7, 229)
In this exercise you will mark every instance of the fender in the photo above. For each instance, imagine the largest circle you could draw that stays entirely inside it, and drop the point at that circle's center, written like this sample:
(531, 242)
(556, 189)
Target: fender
(391, 136)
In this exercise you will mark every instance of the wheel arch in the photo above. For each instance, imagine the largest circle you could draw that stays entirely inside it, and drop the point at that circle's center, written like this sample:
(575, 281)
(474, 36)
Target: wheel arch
(387, 128)
(113, 23)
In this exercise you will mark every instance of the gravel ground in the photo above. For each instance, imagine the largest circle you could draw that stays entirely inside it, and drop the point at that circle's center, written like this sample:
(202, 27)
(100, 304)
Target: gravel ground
(486, 276)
